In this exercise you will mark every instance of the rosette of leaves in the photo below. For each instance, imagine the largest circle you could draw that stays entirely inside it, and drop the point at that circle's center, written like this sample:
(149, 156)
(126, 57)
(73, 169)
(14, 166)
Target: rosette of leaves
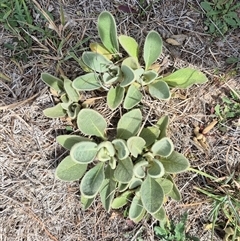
(68, 97)
(136, 165)
(124, 78)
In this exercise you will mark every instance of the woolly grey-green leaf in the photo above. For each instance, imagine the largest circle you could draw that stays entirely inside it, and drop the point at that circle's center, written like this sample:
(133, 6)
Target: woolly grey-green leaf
(92, 181)
(67, 141)
(113, 162)
(121, 148)
(166, 184)
(174, 193)
(115, 96)
(149, 134)
(135, 145)
(131, 62)
(122, 186)
(95, 61)
(55, 111)
(105, 151)
(87, 82)
(160, 90)
(128, 76)
(184, 78)
(132, 98)
(68, 170)
(129, 124)
(162, 124)
(149, 76)
(129, 44)
(136, 208)
(124, 170)
(163, 147)
(160, 215)
(90, 122)
(73, 95)
(53, 82)
(107, 31)
(107, 192)
(152, 48)
(121, 200)
(86, 202)
(156, 169)
(175, 163)
(84, 152)
(139, 168)
(152, 195)
(135, 182)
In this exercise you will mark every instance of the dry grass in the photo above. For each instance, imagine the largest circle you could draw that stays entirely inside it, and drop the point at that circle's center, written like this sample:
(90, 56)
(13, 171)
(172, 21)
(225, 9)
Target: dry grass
(36, 206)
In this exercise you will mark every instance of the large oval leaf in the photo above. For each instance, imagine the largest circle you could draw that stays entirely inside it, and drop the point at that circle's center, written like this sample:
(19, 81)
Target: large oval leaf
(53, 82)
(55, 111)
(87, 82)
(152, 195)
(107, 31)
(132, 98)
(152, 48)
(73, 95)
(131, 62)
(129, 124)
(115, 97)
(92, 181)
(67, 141)
(124, 170)
(135, 145)
(84, 152)
(160, 90)
(121, 200)
(129, 44)
(175, 163)
(186, 77)
(107, 192)
(68, 170)
(90, 122)
(128, 76)
(163, 147)
(136, 208)
(96, 61)
(150, 134)
(121, 148)
(166, 184)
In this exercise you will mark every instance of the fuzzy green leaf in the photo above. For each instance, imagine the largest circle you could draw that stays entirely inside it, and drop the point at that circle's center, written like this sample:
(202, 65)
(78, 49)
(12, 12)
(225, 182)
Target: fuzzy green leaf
(160, 215)
(105, 151)
(152, 195)
(175, 163)
(174, 193)
(73, 110)
(96, 61)
(115, 97)
(129, 44)
(121, 200)
(129, 124)
(160, 90)
(52, 81)
(84, 152)
(87, 82)
(162, 124)
(122, 186)
(149, 134)
(131, 62)
(121, 148)
(156, 169)
(139, 168)
(133, 97)
(67, 141)
(73, 95)
(136, 208)
(135, 145)
(128, 76)
(86, 202)
(55, 111)
(152, 48)
(149, 76)
(185, 77)
(163, 147)
(107, 31)
(166, 185)
(113, 162)
(134, 183)
(68, 170)
(107, 193)
(90, 122)
(92, 181)
(124, 170)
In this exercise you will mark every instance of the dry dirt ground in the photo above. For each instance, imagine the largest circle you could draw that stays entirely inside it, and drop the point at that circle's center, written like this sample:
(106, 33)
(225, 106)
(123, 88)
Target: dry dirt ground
(34, 206)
